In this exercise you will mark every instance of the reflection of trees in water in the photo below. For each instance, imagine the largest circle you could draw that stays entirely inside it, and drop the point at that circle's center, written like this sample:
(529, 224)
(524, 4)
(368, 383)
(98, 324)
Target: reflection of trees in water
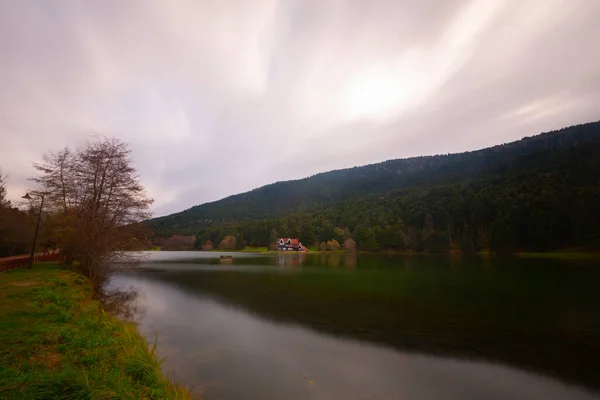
(121, 302)
(348, 260)
(293, 260)
(507, 311)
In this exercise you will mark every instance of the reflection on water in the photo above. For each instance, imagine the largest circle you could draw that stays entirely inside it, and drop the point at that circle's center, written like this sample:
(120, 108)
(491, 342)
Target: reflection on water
(229, 346)
(345, 260)
(293, 260)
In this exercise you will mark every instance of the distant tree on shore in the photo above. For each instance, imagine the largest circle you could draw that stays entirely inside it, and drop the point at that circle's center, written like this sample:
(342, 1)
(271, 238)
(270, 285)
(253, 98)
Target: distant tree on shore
(350, 245)
(333, 245)
(228, 243)
(207, 245)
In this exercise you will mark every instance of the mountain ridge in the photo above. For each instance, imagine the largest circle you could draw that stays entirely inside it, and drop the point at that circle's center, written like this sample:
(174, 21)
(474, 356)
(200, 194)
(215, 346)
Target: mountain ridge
(285, 197)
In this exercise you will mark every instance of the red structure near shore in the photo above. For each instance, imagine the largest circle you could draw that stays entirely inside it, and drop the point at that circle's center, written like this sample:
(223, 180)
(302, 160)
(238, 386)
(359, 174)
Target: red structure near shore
(290, 244)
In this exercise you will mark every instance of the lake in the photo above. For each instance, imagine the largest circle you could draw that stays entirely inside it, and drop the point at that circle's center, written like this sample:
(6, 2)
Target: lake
(346, 326)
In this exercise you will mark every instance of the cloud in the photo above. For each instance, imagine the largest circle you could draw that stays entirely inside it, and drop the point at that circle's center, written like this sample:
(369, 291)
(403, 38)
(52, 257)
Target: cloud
(220, 97)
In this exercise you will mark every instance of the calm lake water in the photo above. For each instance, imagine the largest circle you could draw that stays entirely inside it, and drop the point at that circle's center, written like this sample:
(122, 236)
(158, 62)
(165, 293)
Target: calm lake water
(342, 326)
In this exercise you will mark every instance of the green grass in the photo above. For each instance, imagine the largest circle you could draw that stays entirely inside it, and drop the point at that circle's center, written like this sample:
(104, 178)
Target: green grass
(570, 255)
(56, 342)
(250, 249)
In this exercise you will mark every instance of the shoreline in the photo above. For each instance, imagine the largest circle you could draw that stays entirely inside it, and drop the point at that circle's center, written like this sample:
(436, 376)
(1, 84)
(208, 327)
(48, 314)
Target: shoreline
(560, 254)
(56, 341)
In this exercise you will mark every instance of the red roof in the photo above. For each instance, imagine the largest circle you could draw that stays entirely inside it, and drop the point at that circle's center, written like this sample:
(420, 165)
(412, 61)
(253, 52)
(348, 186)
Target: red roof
(303, 248)
(293, 242)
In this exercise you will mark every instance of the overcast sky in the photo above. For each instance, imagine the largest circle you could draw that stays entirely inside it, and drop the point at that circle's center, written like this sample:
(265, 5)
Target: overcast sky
(219, 97)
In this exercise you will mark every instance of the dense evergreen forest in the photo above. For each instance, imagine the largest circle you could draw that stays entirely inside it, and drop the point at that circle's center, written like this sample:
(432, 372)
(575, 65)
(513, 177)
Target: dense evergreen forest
(541, 193)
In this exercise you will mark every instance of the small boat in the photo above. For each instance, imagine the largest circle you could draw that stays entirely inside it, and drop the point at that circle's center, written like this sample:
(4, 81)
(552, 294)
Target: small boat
(226, 259)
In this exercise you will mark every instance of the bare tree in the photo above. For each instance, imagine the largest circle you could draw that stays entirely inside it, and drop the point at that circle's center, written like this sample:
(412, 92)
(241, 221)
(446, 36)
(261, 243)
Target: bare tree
(97, 203)
(57, 177)
(3, 201)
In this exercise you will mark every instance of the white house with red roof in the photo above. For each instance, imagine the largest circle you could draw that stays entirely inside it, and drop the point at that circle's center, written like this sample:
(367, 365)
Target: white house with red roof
(290, 244)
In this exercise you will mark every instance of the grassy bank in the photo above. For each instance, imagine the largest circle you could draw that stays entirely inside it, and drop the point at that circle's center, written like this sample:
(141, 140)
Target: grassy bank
(567, 255)
(57, 343)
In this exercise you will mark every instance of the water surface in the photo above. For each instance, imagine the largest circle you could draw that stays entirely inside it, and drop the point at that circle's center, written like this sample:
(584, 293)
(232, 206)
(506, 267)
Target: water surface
(342, 326)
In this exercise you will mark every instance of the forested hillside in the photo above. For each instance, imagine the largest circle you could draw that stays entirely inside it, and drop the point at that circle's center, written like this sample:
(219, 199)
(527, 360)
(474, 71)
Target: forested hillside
(539, 193)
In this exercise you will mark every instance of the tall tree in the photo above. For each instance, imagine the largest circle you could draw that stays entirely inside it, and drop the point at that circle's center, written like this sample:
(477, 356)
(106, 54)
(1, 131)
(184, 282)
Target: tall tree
(97, 193)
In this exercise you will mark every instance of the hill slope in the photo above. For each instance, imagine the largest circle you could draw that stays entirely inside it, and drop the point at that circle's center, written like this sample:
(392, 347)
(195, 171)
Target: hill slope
(394, 177)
